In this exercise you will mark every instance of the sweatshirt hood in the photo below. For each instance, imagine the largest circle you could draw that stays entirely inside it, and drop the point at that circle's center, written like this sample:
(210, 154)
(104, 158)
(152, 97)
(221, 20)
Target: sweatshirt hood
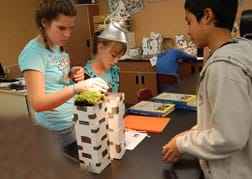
(239, 54)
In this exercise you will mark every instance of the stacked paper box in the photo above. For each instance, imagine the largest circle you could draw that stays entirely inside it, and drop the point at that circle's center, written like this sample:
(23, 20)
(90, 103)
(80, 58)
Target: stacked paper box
(100, 132)
(115, 113)
(92, 137)
(117, 143)
(192, 106)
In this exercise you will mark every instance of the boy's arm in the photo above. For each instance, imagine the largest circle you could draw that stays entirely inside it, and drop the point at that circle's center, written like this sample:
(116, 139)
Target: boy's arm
(229, 122)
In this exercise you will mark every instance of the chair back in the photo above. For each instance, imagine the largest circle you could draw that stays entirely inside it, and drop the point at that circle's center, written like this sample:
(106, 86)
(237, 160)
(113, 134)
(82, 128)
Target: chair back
(246, 24)
(144, 94)
(165, 81)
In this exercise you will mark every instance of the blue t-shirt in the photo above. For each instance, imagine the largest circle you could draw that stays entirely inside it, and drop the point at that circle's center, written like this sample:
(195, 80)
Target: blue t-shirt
(167, 62)
(111, 76)
(55, 66)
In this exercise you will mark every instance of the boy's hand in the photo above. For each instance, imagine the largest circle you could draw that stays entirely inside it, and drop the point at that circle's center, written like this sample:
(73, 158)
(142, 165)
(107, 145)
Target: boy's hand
(170, 151)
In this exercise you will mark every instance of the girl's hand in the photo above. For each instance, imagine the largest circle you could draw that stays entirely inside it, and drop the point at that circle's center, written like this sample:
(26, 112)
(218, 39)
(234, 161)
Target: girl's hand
(96, 84)
(77, 73)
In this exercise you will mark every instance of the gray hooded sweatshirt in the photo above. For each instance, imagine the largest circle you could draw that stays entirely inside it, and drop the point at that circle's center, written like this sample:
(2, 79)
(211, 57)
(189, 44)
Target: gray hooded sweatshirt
(222, 137)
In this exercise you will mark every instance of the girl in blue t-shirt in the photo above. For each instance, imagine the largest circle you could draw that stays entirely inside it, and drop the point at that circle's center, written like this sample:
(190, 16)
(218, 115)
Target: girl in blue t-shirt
(47, 73)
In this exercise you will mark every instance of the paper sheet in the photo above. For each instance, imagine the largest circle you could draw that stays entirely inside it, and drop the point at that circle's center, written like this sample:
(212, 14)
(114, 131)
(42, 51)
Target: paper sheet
(133, 138)
(153, 61)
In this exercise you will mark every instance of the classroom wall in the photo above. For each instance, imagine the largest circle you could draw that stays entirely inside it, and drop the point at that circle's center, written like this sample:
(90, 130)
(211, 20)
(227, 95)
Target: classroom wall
(18, 26)
(165, 17)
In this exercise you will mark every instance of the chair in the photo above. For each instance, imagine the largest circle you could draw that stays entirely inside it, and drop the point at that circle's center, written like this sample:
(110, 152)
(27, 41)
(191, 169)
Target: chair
(165, 81)
(144, 94)
(246, 24)
(185, 69)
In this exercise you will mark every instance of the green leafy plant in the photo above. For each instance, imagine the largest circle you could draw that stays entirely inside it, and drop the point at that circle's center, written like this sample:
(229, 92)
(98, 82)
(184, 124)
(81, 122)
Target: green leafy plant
(89, 98)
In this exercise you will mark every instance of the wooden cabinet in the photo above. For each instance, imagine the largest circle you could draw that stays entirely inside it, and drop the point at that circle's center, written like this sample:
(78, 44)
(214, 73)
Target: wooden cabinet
(79, 44)
(135, 75)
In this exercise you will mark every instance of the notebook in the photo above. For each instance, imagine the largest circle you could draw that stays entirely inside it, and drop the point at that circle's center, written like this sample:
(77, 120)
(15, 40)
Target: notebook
(191, 106)
(150, 108)
(146, 123)
(180, 100)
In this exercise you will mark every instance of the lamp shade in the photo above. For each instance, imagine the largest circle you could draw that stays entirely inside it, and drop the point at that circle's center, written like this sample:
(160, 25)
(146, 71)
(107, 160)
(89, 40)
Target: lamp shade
(114, 32)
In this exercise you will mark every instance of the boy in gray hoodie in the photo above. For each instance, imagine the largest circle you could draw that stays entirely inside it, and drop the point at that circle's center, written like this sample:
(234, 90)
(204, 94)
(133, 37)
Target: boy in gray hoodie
(222, 137)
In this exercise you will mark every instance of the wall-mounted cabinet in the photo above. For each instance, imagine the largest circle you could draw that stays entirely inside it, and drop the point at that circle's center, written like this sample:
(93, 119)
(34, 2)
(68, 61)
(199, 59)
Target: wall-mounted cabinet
(79, 44)
(135, 75)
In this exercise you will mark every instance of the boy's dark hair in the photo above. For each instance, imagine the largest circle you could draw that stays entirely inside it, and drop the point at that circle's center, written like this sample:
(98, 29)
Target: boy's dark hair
(224, 10)
(49, 10)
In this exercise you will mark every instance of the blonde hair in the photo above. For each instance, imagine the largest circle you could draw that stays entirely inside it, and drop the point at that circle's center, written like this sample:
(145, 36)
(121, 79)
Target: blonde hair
(105, 42)
(167, 43)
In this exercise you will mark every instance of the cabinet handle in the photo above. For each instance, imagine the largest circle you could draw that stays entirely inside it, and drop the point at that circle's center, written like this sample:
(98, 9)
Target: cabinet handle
(142, 79)
(137, 80)
(88, 43)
